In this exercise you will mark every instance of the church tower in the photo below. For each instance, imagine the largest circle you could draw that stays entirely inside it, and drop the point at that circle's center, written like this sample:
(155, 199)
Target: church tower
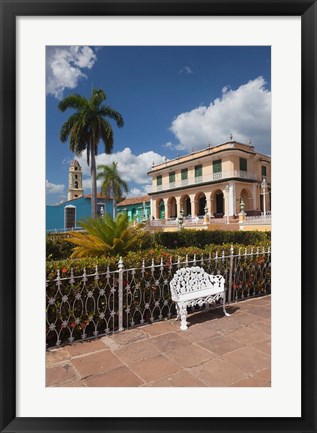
(75, 180)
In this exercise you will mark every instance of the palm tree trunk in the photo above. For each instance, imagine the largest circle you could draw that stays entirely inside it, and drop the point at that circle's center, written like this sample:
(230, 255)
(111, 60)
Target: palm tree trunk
(114, 210)
(93, 183)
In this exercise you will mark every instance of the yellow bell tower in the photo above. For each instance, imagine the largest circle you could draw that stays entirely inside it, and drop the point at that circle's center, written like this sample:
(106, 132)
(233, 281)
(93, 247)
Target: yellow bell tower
(75, 181)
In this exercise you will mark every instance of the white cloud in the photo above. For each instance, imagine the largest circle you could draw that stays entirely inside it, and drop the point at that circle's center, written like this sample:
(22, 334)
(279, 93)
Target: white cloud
(225, 89)
(132, 168)
(52, 188)
(87, 184)
(186, 70)
(244, 112)
(64, 67)
(169, 145)
(138, 192)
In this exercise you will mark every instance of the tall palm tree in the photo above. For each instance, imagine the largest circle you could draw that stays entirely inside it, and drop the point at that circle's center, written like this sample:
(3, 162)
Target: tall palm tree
(86, 127)
(112, 185)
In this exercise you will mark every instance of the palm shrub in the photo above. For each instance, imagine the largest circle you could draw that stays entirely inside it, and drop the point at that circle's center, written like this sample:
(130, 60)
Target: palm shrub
(106, 236)
(112, 184)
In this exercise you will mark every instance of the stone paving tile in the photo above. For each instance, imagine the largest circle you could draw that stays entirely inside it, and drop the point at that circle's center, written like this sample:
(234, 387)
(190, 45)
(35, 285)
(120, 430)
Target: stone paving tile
(264, 312)
(60, 374)
(265, 375)
(245, 318)
(170, 341)
(224, 325)
(248, 336)
(200, 317)
(248, 359)
(252, 302)
(259, 379)
(190, 356)
(154, 368)
(250, 382)
(96, 363)
(119, 377)
(128, 336)
(218, 373)
(76, 384)
(55, 356)
(83, 348)
(263, 346)
(198, 332)
(161, 327)
(181, 379)
(136, 351)
(221, 344)
(262, 325)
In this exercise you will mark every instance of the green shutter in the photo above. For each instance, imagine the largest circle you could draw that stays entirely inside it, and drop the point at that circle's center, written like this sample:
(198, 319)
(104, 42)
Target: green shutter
(198, 170)
(185, 174)
(243, 164)
(162, 210)
(172, 177)
(217, 166)
(159, 180)
(263, 170)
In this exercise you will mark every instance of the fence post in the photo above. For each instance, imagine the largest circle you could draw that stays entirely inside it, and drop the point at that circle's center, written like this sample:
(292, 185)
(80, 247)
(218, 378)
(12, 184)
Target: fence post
(230, 275)
(120, 299)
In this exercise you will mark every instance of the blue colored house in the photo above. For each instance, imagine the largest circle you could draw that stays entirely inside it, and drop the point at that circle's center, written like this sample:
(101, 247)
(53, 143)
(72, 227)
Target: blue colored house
(67, 215)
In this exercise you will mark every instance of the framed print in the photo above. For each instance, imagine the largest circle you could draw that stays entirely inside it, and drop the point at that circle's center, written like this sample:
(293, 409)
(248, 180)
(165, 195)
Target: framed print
(233, 65)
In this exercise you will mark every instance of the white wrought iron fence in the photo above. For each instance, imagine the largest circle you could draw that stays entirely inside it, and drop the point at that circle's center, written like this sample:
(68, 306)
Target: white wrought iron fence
(85, 306)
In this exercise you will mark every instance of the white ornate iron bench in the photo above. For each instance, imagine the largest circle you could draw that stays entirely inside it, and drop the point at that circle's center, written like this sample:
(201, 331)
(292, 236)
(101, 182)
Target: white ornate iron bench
(193, 286)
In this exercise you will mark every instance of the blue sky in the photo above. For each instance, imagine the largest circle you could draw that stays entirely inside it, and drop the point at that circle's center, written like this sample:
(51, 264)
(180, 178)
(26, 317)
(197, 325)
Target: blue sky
(171, 98)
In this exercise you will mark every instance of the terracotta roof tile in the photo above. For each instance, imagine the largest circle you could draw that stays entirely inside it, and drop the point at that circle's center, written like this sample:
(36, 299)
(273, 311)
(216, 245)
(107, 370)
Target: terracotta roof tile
(134, 200)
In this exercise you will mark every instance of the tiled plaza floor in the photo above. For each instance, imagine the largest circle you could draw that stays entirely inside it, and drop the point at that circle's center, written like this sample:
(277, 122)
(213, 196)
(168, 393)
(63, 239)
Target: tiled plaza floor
(214, 351)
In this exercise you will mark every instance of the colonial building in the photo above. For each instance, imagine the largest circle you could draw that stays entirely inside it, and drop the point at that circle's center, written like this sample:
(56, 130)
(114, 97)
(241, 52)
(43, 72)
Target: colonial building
(137, 208)
(212, 182)
(67, 215)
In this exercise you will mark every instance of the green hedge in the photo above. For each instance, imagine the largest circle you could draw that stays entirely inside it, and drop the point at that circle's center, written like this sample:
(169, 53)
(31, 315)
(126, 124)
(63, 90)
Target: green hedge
(57, 249)
(61, 249)
(201, 238)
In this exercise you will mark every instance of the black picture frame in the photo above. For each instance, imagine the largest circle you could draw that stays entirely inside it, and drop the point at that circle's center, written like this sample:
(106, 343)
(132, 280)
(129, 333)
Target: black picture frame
(10, 9)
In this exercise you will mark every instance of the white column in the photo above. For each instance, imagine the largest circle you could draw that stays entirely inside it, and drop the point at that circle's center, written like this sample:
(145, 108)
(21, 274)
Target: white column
(232, 198)
(227, 202)
(193, 205)
(254, 191)
(210, 206)
(178, 205)
(153, 208)
(166, 209)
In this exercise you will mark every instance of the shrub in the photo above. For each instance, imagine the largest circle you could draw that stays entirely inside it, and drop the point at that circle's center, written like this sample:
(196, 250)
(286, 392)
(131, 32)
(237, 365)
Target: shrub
(134, 259)
(106, 236)
(57, 249)
(201, 238)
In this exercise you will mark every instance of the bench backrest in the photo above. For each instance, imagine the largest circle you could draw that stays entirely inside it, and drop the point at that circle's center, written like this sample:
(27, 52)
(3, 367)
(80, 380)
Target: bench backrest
(194, 279)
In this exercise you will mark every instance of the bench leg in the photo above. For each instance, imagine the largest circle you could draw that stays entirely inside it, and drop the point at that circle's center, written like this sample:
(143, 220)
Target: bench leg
(224, 305)
(183, 314)
(177, 311)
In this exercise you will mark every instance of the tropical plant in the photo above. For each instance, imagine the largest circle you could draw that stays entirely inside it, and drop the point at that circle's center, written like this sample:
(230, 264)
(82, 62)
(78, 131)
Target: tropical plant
(112, 186)
(106, 236)
(86, 127)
